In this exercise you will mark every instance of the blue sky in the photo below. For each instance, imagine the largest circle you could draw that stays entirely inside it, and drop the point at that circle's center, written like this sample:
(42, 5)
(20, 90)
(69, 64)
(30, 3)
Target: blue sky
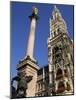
(20, 25)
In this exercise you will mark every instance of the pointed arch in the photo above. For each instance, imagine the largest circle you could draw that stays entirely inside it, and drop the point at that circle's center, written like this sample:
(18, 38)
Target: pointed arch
(59, 73)
(61, 87)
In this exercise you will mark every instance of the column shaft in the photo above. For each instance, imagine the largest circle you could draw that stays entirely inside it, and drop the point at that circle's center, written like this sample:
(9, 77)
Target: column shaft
(30, 47)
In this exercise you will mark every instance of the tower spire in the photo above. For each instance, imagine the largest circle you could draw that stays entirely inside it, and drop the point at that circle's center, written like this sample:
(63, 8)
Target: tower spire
(60, 53)
(57, 23)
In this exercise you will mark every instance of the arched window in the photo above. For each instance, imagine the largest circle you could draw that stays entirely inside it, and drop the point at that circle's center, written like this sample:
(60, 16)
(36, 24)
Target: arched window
(59, 71)
(57, 53)
(66, 72)
(61, 84)
(59, 74)
(68, 87)
(61, 87)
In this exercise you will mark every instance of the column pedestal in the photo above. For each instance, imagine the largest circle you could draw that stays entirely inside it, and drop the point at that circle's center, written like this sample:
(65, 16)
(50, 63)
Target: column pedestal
(29, 67)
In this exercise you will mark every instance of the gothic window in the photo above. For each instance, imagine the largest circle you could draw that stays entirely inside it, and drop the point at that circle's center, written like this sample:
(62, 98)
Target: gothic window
(66, 72)
(41, 86)
(46, 70)
(40, 71)
(57, 48)
(68, 87)
(38, 86)
(61, 87)
(57, 53)
(55, 33)
(58, 30)
(59, 74)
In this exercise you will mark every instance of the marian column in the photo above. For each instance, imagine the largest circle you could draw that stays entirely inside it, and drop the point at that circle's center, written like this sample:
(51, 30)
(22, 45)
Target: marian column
(28, 66)
(33, 19)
